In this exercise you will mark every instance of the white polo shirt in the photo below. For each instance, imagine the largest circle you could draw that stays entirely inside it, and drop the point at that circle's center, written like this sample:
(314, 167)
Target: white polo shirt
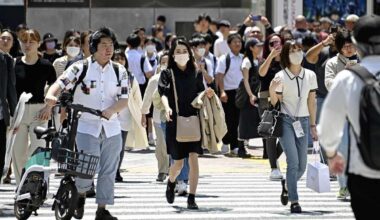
(134, 59)
(221, 47)
(104, 90)
(213, 62)
(296, 88)
(234, 75)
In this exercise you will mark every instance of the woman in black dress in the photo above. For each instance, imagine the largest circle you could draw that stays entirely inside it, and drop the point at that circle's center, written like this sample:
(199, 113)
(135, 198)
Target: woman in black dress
(188, 83)
(249, 115)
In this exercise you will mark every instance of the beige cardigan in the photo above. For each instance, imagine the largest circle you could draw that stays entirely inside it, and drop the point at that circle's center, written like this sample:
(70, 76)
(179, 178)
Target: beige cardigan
(213, 121)
(136, 137)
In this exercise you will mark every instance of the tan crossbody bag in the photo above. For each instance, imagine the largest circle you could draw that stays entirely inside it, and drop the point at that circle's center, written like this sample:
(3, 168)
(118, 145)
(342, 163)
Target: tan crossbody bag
(188, 128)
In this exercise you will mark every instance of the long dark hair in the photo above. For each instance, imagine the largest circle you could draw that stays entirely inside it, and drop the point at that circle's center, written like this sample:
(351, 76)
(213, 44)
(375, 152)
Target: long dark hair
(248, 53)
(15, 49)
(190, 64)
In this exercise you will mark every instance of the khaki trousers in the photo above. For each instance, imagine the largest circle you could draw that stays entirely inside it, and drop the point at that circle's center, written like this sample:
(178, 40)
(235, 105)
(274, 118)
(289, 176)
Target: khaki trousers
(161, 151)
(26, 141)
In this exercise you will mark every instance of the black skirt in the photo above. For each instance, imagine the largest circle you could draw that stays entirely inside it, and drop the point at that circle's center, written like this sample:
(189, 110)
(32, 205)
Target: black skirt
(249, 120)
(179, 150)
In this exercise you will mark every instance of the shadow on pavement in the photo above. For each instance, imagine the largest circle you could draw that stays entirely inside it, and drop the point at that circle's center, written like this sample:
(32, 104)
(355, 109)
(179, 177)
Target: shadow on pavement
(201, 209)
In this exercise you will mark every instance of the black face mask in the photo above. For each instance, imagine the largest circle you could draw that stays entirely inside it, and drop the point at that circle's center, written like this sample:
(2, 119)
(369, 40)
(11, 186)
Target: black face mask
(354, 57)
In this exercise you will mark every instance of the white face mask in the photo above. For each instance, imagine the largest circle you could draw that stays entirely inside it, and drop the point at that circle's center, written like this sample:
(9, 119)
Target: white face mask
(150, 48)
(181, 59)
(163, 67)
(72, 51)
(50, 45)
(296, 58)
(201, 51)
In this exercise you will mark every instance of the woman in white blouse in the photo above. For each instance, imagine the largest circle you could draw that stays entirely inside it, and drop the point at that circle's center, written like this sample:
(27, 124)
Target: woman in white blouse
(295, 88)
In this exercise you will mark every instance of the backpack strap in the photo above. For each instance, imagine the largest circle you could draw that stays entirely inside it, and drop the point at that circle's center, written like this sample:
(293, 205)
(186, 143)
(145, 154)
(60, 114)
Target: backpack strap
(363, 74)
(215, 63)
(116, 69)
(228, 63)
(142, 60)
(81, 77)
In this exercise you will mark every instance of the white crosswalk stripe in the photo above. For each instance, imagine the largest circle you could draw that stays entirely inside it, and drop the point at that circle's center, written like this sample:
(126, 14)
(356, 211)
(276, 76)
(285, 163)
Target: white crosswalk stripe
(219, 196)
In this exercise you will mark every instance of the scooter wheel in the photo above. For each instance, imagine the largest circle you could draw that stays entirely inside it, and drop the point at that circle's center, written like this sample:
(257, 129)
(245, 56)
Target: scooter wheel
(21, 210)
(66, 201)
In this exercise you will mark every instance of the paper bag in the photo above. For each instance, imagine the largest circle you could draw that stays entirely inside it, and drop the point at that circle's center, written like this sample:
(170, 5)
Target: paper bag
(318, 177)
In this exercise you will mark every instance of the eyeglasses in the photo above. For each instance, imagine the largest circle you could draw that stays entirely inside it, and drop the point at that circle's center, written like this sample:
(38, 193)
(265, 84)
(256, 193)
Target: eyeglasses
(348, 47)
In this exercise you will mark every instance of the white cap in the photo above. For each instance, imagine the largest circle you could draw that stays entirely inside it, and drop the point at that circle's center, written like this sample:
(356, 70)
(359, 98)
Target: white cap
(352, 18)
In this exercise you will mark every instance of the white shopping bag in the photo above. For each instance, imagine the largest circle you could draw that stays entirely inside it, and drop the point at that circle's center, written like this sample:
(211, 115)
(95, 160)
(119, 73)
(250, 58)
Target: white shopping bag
(318, 175)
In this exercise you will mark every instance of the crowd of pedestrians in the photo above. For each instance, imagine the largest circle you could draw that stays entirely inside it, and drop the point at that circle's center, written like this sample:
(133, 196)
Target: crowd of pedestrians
(149, 88)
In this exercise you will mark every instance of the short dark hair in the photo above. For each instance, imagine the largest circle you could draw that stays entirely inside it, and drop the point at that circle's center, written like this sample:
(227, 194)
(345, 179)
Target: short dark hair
(103, 32)
(165, 53)
(342, 37)
(133, 40)
(195, 42)
(136, 30)
(207, 37)
(161, 18)
(233, 36)
(151, 39)
(172, 63)
(203, 16)
(167, 39)
(15, 49)
(284, 55)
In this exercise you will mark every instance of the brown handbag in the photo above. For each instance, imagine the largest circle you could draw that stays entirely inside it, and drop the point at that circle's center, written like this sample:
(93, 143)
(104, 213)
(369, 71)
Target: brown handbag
(188, 128)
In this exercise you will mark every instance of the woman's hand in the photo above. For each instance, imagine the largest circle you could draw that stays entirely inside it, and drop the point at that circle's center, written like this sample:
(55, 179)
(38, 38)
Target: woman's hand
(168, 114)
(314, 133)
(224, 97)
(45, 113)
(337, 164)
(275, 52)
(209, 93)
(253, 100)
(143, 120)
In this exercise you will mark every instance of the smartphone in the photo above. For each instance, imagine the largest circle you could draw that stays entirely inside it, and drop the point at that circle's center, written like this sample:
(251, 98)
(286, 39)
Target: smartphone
(256, 17)
(334, 29)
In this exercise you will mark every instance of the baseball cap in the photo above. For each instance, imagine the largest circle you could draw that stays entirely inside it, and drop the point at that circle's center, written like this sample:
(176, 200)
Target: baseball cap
(367, 29)
(252, 42)
(49, 37)
(224, 23)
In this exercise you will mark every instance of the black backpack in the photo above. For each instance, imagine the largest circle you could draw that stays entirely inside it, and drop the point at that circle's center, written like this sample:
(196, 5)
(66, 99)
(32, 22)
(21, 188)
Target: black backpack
(142, 60)
(369, 118)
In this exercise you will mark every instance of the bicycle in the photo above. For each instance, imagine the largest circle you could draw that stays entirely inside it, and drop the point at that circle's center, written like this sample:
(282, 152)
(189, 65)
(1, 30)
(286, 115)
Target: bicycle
(33, 189)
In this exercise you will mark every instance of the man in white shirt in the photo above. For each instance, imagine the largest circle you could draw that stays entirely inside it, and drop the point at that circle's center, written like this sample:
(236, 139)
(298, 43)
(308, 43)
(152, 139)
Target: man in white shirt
(134, 59)
(229, 75)
(104, 89)
(342, 104)
(220, 46)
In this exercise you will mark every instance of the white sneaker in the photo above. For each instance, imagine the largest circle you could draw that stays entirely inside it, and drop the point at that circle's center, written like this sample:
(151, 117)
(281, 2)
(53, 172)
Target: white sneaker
(225, 149)
(235, 151)
(275, 175)
(182, 188)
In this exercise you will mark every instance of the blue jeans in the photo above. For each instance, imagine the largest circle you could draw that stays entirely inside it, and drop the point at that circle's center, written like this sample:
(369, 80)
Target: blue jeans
(184, 175)
(108, 150)
(296, 153)
(343, 149)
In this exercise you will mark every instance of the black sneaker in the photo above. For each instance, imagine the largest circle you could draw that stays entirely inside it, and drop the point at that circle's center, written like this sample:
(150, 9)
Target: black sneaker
(192, 205)
(284, 193)
(161, 177)
(103, 214)
(170, 195)
(78, 212)
(295, 208)
(118, 177)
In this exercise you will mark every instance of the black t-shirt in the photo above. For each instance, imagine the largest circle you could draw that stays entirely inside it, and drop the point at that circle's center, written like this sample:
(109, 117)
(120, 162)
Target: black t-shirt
(51, 57)
(188, 85)
(33, 78)
(274, 68)
(319, 70)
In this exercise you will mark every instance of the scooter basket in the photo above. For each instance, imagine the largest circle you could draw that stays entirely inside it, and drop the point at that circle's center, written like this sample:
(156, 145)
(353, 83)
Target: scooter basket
(77, 164)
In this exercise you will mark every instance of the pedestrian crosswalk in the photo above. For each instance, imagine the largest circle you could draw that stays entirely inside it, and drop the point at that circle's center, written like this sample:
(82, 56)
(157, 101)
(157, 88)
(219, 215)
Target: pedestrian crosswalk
(219, 196)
